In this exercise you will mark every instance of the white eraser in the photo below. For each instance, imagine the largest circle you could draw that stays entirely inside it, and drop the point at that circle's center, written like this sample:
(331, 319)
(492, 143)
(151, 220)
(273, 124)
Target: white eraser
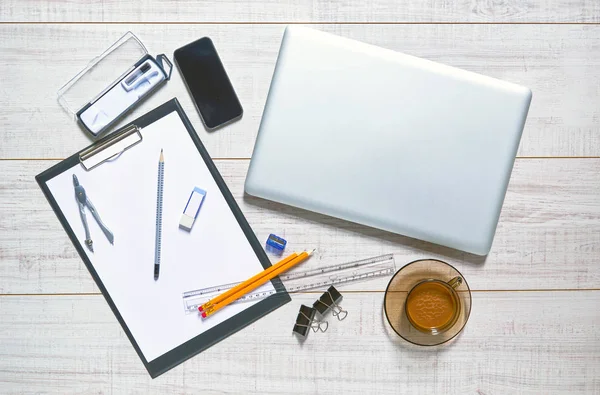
(190, 212)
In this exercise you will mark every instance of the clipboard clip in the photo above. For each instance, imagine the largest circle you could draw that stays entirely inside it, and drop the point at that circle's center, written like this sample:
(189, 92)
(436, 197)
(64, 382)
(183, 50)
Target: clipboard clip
(110, 148)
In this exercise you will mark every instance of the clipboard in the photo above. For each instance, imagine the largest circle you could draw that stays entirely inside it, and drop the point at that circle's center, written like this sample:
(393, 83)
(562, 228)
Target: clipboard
(113, 276)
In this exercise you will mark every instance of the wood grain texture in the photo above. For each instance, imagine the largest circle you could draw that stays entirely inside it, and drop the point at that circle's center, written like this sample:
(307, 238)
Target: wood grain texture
(548, 236)
(559, 62)
(301, 11)
(517, 343)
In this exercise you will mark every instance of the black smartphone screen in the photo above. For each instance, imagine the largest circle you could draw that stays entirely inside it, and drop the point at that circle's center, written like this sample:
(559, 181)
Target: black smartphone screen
(208, 83)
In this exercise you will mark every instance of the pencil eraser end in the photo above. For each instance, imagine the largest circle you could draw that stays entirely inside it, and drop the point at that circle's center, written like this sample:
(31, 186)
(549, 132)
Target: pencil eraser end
(200, 309)
(203, 315)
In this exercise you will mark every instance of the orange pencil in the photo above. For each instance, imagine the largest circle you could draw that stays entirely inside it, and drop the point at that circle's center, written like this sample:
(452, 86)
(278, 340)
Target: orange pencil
(244, 284)
(216, 307)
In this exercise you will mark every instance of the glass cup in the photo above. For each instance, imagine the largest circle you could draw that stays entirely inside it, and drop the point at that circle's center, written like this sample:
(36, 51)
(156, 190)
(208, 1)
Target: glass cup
(427, 302)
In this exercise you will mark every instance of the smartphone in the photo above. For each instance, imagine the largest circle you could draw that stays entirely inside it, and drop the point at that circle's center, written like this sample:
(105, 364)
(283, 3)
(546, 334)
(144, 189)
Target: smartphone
(208, 83)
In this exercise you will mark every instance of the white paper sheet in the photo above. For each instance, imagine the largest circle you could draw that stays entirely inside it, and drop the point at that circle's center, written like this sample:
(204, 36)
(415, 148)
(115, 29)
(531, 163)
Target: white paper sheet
(216, 251)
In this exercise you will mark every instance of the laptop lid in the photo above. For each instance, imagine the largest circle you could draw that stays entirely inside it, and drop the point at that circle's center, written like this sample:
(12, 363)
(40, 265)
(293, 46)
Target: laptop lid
(387, 140)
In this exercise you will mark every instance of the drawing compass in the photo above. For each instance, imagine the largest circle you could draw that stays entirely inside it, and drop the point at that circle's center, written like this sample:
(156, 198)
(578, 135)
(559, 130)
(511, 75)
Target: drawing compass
(83, 201)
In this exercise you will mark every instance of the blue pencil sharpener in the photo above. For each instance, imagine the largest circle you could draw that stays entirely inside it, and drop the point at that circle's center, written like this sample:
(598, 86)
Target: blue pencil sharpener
(275, 244)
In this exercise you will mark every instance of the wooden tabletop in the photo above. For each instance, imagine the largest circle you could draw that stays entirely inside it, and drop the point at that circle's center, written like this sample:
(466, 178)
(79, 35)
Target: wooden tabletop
(535, 323)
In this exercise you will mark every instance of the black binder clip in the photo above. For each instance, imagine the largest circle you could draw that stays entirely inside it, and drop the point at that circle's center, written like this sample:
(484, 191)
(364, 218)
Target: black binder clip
(305, 321)
(329, 301)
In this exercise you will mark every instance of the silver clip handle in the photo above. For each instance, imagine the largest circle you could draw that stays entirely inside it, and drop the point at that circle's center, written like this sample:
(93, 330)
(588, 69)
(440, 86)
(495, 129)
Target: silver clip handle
(320, 326)
(338, 312)
(111, 148)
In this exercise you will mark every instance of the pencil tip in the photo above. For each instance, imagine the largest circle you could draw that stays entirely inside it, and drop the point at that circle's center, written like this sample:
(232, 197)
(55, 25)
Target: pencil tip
(162, 158)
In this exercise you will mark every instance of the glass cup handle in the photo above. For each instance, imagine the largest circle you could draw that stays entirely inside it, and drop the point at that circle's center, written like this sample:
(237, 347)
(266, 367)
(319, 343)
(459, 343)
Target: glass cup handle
(455, 282)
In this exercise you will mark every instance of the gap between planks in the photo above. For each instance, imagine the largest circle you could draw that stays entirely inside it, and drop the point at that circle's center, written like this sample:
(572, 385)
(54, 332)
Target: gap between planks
(346, 292)
(247, 159)
(287, 23)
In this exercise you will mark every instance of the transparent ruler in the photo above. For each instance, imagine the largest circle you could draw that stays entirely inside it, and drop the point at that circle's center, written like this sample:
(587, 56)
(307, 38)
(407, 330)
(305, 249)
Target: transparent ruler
(298, 281)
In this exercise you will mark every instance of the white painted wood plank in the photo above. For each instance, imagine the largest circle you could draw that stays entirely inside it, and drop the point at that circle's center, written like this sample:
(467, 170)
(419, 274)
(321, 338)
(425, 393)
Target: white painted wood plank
(301, 11)
(548, 236)
(559, 62)
(515, 342)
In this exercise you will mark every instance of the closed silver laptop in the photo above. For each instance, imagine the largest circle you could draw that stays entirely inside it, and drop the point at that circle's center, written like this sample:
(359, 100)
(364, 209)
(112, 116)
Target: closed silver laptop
(387, 140)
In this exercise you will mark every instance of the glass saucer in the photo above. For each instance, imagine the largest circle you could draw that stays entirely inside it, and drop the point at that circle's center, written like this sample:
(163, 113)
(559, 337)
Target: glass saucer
(400, 285)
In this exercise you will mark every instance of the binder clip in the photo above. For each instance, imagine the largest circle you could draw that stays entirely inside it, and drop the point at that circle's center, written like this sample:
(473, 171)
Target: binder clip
(329, 301)
(305, 321)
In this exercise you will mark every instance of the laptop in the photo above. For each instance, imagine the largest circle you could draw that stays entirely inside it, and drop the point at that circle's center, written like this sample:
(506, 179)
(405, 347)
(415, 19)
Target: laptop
(387, 140)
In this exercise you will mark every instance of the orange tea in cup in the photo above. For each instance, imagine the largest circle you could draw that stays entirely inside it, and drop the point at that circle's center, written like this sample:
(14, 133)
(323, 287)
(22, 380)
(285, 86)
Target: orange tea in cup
(433, 306)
